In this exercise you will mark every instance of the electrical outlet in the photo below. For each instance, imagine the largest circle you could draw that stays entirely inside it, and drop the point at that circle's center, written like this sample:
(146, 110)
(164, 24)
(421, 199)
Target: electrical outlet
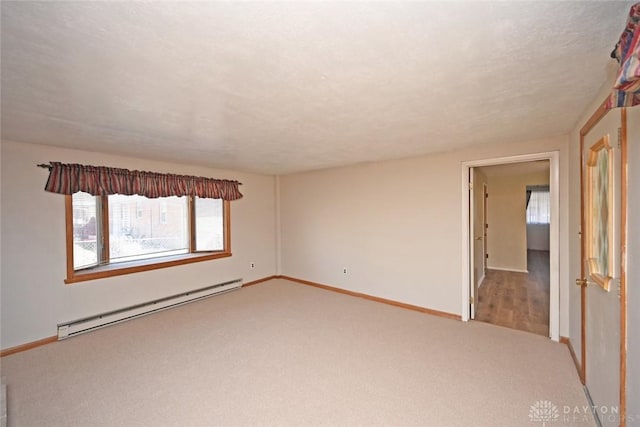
(253, 265)
(344, 270)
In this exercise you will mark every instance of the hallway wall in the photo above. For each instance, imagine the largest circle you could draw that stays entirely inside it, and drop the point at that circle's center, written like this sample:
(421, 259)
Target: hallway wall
(538, 237)
(507, 232)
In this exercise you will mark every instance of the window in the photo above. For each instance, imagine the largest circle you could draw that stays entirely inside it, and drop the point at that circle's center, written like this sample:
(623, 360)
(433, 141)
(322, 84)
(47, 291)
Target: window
(118, 234)
(163, 211)
(538, 207)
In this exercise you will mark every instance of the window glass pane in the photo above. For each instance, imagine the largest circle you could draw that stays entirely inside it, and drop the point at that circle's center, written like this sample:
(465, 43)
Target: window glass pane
(85, 231)
(141, 228)
(539, 208)
(209, 225)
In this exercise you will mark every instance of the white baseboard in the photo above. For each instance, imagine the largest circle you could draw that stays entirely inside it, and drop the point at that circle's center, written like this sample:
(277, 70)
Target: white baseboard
(515, 270)
(481, 280)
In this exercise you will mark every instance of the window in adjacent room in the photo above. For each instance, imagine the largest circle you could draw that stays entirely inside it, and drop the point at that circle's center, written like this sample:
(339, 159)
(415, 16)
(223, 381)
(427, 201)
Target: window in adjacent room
(538, 206)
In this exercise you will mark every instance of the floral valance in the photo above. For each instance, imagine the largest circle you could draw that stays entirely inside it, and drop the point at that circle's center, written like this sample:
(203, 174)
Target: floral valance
(626, 90)
(101, 181)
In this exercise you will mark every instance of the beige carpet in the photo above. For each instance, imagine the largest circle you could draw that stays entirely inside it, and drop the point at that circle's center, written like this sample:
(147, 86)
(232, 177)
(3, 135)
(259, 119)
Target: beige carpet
(281, 353)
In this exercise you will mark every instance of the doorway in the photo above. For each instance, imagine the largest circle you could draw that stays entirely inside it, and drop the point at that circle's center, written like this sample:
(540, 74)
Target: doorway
(511, 283)
(469, 285)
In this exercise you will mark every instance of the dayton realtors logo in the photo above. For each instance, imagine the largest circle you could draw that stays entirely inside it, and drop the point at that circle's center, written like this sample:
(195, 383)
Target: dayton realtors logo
(543, 411)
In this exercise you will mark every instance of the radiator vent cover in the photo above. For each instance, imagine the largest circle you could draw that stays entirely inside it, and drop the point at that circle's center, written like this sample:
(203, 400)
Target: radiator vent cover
(80, 326)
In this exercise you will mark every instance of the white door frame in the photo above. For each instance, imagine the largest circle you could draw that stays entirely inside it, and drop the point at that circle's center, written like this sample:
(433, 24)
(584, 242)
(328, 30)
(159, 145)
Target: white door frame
(472, 233)
(554, 232)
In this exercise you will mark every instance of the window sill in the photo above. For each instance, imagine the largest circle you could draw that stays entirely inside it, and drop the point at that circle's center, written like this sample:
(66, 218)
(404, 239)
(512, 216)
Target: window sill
(121, 268)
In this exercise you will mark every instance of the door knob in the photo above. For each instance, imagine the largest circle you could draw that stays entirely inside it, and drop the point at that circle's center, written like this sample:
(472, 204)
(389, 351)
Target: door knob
(581, 282)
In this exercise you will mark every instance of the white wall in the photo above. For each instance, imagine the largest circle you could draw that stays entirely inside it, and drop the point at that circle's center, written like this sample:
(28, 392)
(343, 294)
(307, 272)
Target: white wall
(33, 296)
(538, 237)
(395, 225)
(507, 232)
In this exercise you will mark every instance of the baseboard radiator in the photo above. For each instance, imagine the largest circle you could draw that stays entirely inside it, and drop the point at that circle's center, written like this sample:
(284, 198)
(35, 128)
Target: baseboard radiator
(80, 326)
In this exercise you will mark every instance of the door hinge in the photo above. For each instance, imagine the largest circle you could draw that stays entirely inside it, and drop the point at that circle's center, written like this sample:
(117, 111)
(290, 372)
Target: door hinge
(619, 288)
(471, 300)
(487, 256)
(486, 195)
(470, 186)
(619, 137)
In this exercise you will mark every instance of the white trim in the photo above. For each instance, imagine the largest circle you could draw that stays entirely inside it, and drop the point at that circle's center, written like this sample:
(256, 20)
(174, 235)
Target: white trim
(472, 259)
(481, 280)
(554, 232)
(515, 270)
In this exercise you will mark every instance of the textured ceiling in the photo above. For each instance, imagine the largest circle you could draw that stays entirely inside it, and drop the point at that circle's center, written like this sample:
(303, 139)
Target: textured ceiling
(278, 88)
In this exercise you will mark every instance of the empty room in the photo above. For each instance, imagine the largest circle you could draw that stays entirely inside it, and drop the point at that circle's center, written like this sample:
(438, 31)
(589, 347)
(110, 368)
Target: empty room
(320, 213)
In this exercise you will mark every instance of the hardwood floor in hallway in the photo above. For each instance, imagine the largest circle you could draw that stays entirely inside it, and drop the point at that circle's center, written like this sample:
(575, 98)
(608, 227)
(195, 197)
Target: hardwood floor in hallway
(517, 300)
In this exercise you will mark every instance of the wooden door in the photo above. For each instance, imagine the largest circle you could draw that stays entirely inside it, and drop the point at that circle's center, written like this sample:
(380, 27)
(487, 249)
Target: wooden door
(601, 257)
